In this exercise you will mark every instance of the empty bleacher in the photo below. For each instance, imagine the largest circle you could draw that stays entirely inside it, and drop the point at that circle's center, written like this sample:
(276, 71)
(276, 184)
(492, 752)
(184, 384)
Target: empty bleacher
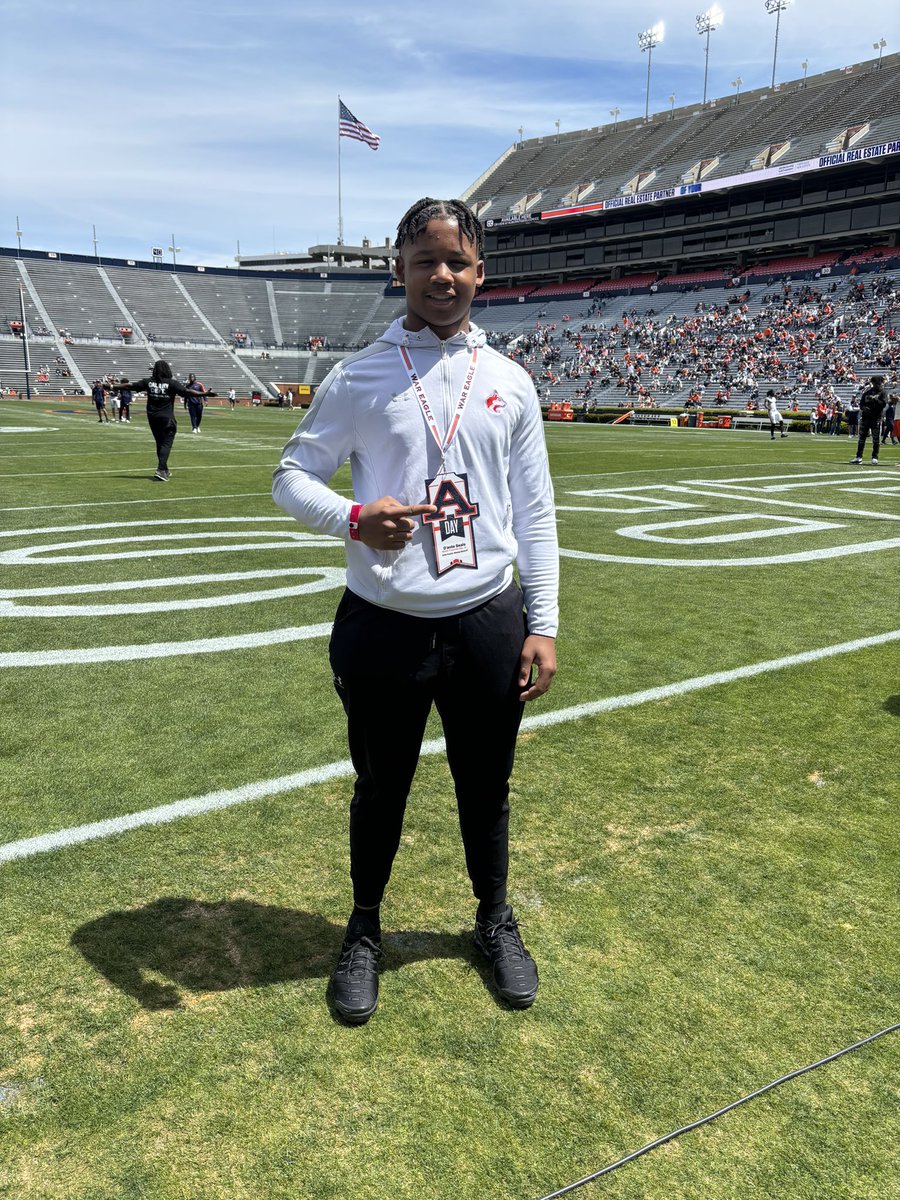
(76, 298)
(159, 306)
(734, 130)
(232, 305)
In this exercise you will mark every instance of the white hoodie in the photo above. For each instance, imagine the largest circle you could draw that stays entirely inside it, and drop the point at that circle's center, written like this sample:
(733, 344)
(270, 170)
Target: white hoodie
(366, 411)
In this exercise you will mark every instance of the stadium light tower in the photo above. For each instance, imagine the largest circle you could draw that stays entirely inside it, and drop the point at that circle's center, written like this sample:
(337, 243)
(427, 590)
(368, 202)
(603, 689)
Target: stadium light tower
(736, 84)
(805, 66)
(672, 109)
(708, 22)
(19, 236)
(777, 7)
(879, 46)
(613, 112)
(173, 250)
(649, 40)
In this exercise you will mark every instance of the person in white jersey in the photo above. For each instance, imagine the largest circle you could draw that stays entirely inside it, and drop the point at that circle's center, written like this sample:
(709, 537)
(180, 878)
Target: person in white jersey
(451, 488)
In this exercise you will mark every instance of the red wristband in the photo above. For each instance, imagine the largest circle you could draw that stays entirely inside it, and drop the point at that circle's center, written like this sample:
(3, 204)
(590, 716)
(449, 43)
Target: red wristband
(354, 522)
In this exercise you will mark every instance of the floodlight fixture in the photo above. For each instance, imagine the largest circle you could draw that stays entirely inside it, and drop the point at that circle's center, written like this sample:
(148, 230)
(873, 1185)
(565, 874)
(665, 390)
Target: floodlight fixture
(707, 23)
(879, 46)
(614, 113)
(649, 40)
(173, 250)
(672, 110)
(777, 7)
(736, 84)
(805, 66)
(557, 129)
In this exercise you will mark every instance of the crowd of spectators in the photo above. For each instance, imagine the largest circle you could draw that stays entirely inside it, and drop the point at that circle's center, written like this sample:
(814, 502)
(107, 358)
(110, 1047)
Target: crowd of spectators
(816, 344)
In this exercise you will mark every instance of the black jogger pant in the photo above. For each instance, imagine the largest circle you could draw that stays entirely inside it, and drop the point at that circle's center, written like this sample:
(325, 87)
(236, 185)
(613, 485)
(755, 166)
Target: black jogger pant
(195, 412)
(388, 670)
(163, 427)
(868, 425)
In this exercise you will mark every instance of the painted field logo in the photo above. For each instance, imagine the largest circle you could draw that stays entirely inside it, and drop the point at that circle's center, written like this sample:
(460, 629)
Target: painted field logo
(164, 593)
(753, 511)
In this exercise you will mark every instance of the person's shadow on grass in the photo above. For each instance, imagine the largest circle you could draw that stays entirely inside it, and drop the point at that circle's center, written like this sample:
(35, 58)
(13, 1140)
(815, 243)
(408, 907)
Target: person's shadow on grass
(892, 705)
(199, 946)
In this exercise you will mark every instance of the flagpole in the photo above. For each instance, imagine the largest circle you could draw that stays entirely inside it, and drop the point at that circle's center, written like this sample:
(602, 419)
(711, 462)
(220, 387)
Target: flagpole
(25, 339)
(340, 210)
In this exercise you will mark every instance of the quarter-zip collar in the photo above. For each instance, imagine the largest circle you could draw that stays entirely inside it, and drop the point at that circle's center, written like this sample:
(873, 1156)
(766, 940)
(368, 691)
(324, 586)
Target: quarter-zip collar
(427, 339)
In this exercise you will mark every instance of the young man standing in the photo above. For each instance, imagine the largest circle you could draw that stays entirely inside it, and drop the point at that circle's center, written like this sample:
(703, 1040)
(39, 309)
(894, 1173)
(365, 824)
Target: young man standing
(98, 393)
(125, 396)
(195, 402)
(776, 420)
(872, 404)
(451, 487)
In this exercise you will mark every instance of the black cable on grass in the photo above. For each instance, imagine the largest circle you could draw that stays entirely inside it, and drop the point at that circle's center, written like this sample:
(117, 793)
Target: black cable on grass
(668, 1137)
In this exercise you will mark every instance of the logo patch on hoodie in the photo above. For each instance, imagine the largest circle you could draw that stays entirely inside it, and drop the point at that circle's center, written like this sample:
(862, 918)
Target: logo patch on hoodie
(495, 403)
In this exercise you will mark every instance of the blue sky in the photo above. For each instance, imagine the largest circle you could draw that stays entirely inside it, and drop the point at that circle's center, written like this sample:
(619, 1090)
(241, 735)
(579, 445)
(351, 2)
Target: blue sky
(217, 122)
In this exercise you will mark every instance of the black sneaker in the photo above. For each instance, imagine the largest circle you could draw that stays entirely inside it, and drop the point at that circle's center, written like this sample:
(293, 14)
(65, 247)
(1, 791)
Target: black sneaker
(354, 984)
(514, 970)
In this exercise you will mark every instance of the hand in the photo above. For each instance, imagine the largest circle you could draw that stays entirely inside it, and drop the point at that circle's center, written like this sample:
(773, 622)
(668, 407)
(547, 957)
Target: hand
(539, 652)
(386, 524)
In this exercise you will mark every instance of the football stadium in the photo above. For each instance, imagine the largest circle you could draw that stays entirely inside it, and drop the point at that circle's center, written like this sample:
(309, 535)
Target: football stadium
(703, 833)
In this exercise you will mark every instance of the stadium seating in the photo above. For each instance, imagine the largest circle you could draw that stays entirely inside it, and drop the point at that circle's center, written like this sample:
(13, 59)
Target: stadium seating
(575, 287)
(734, 131)
(679, 321)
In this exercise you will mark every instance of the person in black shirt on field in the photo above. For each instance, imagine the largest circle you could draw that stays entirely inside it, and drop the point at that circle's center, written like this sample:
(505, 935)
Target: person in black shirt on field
(98, 393)
(195, 404)
(887, 426)
(125, 398)
(161, 391)
(871, 405)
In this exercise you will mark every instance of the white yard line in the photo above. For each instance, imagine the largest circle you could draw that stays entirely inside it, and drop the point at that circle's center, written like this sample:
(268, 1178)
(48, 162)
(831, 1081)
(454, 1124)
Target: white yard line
(180, 470)
(767, 499)
(144, 650)
(227, 798)
(765, 560)
(151, 500)
(656, 470)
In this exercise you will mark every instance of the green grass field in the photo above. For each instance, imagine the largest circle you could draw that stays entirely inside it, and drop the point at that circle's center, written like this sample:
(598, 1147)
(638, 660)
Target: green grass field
(706, 876)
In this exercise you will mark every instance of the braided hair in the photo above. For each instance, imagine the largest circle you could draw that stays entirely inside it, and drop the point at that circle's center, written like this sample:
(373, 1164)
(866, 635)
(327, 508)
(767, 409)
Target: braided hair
(416, 218)
(161, 372)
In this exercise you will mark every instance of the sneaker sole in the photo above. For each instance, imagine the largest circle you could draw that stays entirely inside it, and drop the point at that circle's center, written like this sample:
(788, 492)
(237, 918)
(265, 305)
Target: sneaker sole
(354, 1016)
(513, 999)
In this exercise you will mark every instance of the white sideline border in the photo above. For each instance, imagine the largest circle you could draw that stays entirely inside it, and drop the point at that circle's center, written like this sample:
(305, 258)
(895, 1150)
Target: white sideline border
(228, 798)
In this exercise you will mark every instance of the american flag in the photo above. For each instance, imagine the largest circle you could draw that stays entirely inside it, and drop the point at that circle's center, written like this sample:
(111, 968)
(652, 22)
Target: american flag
(351, 127)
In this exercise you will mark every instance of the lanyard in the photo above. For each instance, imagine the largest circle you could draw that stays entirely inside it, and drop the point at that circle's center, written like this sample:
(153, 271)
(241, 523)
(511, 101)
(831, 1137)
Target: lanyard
(443, 444)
